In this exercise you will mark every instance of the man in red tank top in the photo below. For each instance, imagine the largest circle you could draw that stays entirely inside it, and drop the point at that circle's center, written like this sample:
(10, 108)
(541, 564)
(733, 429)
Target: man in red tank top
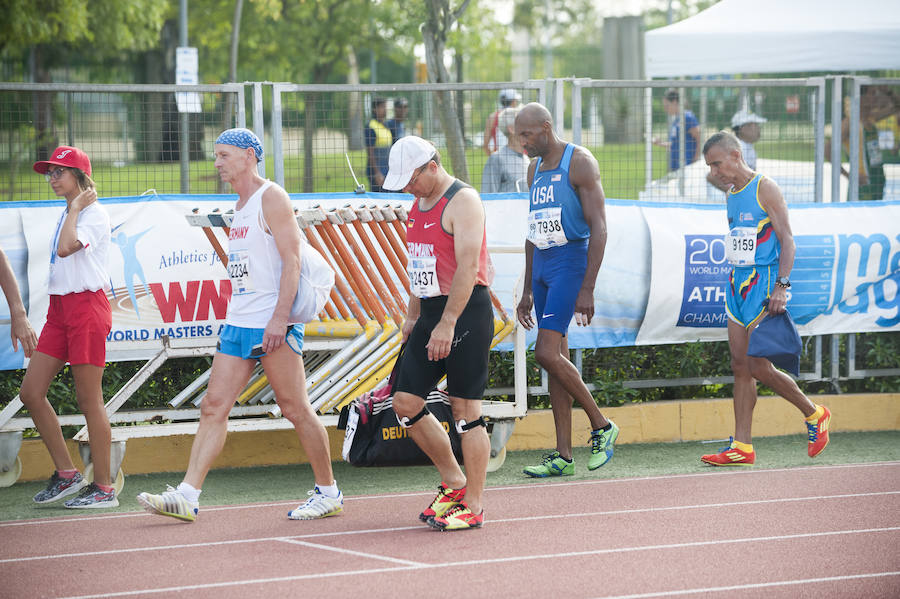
(448, 327)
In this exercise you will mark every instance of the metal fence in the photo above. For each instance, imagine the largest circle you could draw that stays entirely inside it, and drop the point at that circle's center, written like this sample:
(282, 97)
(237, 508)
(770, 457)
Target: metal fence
(315, 136)
(135, 135)
(781, 119)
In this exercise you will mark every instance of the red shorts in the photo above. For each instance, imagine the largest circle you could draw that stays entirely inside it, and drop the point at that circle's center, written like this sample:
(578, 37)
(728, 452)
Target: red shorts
(76, 328)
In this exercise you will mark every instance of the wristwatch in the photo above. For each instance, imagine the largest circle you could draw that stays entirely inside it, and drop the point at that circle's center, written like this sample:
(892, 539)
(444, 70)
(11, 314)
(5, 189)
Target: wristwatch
(783, 282)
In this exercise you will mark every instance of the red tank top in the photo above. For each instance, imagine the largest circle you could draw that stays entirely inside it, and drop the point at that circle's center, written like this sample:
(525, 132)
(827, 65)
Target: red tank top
(426, 238)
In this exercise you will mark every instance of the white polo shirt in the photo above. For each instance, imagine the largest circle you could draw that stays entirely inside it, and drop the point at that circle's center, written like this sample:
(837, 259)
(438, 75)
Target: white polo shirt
(85, 270)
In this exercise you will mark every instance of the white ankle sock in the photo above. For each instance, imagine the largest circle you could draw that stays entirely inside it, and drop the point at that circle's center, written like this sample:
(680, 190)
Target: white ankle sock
(189, 492)
(330, 490)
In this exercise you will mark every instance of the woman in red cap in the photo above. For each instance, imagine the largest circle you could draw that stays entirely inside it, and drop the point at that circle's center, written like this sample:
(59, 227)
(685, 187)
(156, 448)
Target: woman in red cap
(78, 321)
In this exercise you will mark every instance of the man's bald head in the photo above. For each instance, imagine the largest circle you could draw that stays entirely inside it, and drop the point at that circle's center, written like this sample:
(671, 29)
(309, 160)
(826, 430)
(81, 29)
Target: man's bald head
(534, 127)
(535, 114)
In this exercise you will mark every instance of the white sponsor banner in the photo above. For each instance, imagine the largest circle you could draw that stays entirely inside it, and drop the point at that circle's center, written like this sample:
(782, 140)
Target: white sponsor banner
(166, 280)
(620, 294)
(846, 273)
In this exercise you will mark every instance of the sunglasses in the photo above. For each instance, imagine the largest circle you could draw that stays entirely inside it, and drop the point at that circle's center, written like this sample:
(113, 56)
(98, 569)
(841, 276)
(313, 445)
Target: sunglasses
(54, 174)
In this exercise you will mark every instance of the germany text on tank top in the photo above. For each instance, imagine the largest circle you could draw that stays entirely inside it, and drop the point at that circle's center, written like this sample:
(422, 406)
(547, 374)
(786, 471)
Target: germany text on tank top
(254, 266)
(432, 261)
(555, 214)
(751, 240)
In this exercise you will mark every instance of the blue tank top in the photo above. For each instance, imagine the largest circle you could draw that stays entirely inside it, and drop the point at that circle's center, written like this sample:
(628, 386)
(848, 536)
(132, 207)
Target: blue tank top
(745, 211)
(551, 189)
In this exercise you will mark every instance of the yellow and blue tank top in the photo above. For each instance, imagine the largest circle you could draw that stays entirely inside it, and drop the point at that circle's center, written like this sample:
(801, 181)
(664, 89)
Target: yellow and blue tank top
(551, 189)
(746, 212)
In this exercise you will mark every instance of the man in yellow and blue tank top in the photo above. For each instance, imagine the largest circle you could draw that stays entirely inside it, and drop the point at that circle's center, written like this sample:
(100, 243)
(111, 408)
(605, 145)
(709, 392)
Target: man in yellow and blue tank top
(760, 248)
(563, 252)
(378, 145)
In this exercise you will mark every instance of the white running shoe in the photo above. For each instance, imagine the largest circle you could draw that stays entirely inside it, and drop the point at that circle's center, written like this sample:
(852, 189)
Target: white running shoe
(318, 506)
(171, 503)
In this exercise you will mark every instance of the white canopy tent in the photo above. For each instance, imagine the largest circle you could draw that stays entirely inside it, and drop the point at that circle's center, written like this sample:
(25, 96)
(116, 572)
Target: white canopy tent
(778, 36)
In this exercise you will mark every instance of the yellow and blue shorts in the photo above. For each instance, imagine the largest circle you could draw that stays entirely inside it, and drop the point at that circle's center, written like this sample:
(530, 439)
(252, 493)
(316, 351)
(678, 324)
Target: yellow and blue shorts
(749, 289)
(246, 343)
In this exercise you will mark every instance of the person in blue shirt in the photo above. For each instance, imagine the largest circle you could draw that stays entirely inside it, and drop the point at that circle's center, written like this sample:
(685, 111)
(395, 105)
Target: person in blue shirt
(563, 252)
(671, 105)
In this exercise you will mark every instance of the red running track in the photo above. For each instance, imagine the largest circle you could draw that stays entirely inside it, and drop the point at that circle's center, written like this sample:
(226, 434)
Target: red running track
(820, 531)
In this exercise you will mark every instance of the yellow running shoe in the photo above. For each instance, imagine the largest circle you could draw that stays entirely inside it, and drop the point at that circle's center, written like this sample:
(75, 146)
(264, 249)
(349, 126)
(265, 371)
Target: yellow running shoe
(445, 500)
(171, 503)
(459, 518)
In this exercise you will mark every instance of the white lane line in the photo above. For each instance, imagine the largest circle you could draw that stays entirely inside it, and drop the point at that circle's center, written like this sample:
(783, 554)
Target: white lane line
(758, 585)
(375, 556)
(699, 506)
(343, 533)
(481, 562)
(525, 486)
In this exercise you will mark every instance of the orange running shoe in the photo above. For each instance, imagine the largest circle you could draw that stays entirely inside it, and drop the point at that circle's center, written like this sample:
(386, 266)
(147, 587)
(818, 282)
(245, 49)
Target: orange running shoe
(445, 500)
(818, 433)
(459, 518)
(730, 456)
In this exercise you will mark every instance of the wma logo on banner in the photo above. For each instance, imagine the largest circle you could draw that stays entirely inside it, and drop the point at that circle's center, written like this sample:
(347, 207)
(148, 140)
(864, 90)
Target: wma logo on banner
(859, 265)
(194, 301)
(705, 280)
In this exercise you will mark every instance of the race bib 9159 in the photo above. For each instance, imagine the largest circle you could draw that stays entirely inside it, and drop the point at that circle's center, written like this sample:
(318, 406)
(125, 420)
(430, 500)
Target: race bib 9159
(740, 246)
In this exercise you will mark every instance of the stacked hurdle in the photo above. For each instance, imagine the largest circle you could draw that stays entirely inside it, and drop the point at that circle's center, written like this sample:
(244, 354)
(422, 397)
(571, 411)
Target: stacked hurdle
(353, 345)
(348, 350)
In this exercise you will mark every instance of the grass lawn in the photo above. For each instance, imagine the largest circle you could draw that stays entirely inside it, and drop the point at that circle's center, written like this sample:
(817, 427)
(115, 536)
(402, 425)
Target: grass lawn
(621, 168)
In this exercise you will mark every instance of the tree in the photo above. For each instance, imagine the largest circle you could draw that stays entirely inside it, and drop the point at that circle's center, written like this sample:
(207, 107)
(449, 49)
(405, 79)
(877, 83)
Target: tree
(52, 29)
(284, 40)
(440, 18)
(232, 69)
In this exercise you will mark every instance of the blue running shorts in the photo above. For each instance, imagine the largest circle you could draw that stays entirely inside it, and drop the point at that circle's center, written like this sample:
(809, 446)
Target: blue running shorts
(749, 288)
(246, 343)
(556, 277)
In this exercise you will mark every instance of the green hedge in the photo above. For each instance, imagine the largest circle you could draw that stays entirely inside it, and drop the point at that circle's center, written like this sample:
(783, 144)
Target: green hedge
(606, 368)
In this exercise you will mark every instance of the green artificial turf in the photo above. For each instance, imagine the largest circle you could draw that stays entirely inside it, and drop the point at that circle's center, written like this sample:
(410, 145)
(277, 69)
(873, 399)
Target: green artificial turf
(284, 483)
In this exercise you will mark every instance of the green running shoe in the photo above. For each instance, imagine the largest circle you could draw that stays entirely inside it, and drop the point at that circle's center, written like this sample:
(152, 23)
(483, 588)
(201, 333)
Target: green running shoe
(602, 445)
(553, 465)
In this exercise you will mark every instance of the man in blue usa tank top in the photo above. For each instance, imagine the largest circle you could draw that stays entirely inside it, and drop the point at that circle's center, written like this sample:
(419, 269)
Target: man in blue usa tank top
(563, 252)
(760, 248)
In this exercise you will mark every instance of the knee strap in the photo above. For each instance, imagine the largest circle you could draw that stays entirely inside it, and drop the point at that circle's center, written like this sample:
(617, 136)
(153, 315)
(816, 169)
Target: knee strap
(463, 427)
(407, 422)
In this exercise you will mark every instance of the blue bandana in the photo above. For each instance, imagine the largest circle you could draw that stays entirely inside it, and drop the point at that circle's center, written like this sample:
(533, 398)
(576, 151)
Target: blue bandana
(242, 138)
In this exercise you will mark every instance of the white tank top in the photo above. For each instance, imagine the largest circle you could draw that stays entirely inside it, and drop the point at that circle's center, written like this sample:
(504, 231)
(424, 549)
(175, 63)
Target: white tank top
(254, 266)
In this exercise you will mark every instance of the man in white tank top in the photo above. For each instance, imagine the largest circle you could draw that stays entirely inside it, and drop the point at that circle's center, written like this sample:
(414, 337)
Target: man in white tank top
(264, 268)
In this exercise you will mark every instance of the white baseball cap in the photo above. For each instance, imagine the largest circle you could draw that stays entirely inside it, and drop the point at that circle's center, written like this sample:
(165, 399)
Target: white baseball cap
(742, 117)
(408, 154)
(508, 95)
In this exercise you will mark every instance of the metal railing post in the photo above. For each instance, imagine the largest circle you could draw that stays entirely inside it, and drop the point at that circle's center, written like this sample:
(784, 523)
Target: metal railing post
(277, 147)
(259, 126)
